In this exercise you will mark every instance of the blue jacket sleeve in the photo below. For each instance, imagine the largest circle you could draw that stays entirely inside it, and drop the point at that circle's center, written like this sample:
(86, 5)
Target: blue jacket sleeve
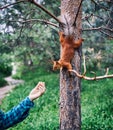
(16, 114)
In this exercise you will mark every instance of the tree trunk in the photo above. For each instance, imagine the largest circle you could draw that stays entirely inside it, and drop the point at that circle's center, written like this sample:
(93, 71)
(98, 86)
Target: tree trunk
(70, 109)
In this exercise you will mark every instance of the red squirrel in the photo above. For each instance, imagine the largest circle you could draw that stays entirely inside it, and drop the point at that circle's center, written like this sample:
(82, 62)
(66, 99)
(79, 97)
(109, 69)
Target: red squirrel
(68, 45)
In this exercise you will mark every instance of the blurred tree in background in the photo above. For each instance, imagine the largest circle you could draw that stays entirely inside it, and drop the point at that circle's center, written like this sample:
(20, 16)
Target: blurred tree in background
(29, 42)
(23, 39)
(23, 35)
(98, 33)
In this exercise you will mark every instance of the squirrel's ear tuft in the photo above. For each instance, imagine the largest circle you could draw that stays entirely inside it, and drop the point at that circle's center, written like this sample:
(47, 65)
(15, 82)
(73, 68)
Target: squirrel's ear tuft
(62, 34)
(82, 39)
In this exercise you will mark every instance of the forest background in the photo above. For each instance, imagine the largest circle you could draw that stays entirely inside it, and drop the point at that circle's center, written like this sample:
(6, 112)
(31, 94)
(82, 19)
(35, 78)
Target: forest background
(29, 46)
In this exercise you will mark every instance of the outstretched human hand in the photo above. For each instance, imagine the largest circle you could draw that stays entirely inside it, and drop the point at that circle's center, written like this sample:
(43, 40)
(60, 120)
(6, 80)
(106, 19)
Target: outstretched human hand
(37, 91)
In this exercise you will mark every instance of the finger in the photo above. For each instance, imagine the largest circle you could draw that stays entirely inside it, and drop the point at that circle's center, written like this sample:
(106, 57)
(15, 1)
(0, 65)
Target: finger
(39, 83)
(42, 84)
(42, 88)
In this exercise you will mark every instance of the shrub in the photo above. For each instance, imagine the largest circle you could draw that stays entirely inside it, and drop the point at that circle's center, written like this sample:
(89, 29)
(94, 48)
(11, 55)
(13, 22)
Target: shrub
(5, 68)
(2, 82)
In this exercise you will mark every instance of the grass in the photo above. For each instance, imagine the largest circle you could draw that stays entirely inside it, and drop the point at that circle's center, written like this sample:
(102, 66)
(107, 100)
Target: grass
(44, 116)
(96, 101)
(97, 105)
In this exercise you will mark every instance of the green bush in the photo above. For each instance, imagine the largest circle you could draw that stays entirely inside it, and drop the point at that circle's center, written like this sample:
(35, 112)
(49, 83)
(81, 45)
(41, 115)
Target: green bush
(2, 82)
(5, 68)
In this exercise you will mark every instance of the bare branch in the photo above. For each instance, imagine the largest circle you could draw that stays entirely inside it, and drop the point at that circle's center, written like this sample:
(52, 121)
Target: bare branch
(21, 29)
(100, 29)
(90, 29)
(105, 8)
(84, 64)
(107, 34)
(45, 10)
(106, 28)
(35, 3)
(107, 70)
(90, 15)
(87, 17)
(91, 78)
(39, 20)
(6, 6)
(42, 20)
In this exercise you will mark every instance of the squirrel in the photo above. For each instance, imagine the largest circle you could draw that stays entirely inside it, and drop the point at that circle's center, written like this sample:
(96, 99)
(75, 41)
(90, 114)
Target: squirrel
(68, 45)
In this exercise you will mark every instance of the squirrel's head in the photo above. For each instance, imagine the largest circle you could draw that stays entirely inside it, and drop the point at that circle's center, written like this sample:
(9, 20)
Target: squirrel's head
(56, 65)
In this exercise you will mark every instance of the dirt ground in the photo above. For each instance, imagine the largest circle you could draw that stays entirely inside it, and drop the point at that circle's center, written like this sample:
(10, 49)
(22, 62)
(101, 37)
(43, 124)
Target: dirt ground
(6, 89)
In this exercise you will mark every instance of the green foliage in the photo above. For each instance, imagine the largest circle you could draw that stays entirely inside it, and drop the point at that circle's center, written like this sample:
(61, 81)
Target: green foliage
(45, 113)
(99, 56)
(39, 43)
(108, 57)
(32, 40)
(97, 103)
(5, 66)
(2, 82)
(5, 69)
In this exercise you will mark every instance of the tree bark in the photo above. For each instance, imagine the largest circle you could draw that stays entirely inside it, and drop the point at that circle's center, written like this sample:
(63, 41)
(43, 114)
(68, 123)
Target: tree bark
(70, 109)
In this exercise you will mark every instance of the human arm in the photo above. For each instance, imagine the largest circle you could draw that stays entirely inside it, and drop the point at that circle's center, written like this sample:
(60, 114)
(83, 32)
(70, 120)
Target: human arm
(16, 114)
(21, 111)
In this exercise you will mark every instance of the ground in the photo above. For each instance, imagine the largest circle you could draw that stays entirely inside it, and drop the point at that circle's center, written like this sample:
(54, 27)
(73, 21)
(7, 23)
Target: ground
(11, 84)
